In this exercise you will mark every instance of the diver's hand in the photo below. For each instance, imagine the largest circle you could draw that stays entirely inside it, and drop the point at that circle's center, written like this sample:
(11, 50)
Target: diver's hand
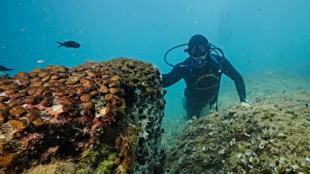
(245, 104)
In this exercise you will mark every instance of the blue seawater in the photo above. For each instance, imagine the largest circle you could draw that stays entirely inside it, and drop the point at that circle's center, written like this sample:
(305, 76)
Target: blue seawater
(256, 35)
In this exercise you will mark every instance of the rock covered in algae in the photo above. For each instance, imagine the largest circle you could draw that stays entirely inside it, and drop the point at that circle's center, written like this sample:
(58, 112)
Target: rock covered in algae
(271, 136)
(100, 117)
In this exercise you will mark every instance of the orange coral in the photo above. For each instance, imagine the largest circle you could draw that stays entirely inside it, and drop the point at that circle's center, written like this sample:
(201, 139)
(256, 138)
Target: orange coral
(3, 98)
(47, 102)
(3, 116)
(18, 111)
(33, 100)
(19, 125)
(90, 98)
(15, 102)
(104, 89)
(88, 84)
(15, 96)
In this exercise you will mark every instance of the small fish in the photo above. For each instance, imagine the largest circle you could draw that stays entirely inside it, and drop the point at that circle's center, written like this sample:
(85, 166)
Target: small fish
(2, 68)
(69, 44)
(41, 61)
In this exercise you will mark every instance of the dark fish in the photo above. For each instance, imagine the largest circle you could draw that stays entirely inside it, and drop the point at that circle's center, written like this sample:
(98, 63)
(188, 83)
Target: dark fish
(69, 44)
(2, 68)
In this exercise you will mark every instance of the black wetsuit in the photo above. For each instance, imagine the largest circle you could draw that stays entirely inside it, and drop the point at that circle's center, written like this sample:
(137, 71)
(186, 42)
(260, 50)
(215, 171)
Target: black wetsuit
(203, 81)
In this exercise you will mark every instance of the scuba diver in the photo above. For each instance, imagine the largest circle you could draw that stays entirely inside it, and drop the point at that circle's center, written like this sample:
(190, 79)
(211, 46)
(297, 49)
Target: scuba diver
(202, 73)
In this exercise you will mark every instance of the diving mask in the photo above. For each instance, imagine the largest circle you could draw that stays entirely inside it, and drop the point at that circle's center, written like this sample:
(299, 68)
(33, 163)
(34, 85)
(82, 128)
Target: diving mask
(198, 50)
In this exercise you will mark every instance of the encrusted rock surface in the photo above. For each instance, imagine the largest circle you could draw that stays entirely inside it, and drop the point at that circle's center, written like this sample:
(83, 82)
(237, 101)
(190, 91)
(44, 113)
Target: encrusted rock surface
(100, 117)
(271, 136)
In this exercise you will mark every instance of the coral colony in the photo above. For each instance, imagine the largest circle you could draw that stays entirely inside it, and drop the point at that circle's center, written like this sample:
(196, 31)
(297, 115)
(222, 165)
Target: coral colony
(106, 117)
(271, 136)
(98, 117)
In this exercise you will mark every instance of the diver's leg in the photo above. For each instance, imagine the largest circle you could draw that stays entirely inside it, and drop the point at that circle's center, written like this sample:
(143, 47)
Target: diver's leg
(192, 109)
(189, 111)
(188, 108)
(205, 110)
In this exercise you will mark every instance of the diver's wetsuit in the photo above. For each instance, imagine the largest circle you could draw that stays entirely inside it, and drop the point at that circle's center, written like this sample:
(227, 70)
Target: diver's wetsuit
(203, 81)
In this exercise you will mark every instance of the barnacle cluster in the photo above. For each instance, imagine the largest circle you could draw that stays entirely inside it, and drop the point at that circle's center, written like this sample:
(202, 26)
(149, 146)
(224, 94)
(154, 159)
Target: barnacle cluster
(271, 136)
(90, 114)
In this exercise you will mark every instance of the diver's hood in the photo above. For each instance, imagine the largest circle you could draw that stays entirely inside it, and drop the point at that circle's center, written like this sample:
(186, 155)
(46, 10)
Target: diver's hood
(197, 39)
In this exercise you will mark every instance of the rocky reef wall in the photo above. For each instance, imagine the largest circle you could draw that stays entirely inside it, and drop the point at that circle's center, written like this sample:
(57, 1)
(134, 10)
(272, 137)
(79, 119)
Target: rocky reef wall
(271, 136)
(102, 117)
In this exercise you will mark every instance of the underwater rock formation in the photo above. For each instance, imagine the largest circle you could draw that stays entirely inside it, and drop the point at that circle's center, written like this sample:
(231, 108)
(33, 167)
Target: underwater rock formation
(100, 117)
(271, 136)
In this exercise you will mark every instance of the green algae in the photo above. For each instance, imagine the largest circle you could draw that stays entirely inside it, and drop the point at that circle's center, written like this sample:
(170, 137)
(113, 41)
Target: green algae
(97, 159)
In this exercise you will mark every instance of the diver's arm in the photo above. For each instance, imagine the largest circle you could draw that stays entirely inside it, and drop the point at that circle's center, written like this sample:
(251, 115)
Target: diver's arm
(173, 76)
(231, 72)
